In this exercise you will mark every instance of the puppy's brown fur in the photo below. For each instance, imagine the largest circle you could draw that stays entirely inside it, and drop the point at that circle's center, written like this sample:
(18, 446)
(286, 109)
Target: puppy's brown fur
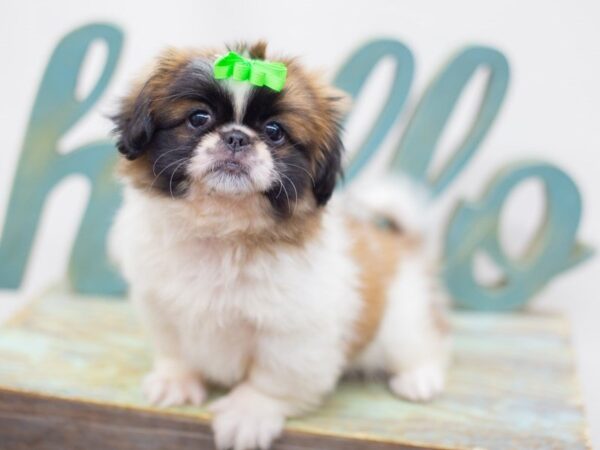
(310, 109)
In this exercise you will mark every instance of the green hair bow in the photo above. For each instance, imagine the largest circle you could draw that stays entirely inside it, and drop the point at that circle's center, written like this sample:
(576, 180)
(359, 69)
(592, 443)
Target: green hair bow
(256, 71)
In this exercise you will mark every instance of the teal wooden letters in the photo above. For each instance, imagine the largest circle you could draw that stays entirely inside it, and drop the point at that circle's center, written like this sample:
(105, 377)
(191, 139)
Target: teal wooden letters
(41, 168)
(473, 227)
(433, 112)
(353, 75)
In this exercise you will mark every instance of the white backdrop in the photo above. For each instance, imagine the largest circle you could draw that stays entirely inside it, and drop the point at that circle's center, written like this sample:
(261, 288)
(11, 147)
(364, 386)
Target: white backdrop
(552, 111)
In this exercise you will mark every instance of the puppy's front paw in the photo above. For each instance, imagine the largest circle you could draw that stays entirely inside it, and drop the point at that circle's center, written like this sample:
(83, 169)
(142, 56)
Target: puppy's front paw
(419, 384)
(247, 419)
(173, 387)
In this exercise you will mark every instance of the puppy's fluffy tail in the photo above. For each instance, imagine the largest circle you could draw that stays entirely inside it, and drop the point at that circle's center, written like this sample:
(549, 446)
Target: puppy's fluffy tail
(396, 201)
(405, 206)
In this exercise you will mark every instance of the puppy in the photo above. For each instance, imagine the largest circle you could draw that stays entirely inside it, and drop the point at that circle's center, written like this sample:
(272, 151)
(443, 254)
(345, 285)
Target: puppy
(244, 273)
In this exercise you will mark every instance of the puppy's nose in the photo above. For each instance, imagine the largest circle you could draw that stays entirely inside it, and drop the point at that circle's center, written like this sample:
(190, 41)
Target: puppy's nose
(236, 140)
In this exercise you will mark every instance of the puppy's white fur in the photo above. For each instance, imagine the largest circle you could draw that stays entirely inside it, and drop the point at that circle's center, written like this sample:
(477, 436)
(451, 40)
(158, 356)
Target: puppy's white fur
(275, 326)
(277, 322)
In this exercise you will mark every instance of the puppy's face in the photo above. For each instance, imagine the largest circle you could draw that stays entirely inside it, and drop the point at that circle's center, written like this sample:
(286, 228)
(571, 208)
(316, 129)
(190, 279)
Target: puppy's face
(185, 134)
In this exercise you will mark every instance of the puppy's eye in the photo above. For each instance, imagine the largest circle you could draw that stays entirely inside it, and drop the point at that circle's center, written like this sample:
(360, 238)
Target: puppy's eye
(274, 132)
(199, 118)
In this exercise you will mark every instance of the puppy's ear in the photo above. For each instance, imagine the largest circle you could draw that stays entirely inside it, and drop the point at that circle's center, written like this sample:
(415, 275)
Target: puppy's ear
(134, 126)
(329, 167)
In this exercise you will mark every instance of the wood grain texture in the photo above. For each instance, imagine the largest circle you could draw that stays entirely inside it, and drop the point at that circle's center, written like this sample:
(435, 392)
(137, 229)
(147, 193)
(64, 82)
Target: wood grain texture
(32, 422)
(70, 371)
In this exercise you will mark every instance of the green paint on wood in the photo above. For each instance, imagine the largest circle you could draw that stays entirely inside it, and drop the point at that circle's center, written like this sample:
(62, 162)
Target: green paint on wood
(511, 384)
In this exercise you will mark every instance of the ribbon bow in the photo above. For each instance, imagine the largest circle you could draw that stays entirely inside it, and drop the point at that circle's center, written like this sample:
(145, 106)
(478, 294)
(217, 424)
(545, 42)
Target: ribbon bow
(256, 71)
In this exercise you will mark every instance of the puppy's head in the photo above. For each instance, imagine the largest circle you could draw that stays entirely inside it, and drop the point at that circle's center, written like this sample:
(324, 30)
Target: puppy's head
(185, 134)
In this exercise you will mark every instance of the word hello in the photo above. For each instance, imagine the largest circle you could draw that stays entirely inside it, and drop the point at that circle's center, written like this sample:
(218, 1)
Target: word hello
(472, 228)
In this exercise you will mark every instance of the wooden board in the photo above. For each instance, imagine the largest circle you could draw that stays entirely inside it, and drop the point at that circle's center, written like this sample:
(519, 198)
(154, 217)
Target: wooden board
(70, 373)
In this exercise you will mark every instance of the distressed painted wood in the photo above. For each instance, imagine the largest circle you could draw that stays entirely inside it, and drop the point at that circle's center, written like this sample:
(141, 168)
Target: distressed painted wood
(512, 385)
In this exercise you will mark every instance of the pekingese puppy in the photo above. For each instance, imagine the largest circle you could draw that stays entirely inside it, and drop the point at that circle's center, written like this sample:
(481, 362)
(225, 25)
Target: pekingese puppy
(244, 273)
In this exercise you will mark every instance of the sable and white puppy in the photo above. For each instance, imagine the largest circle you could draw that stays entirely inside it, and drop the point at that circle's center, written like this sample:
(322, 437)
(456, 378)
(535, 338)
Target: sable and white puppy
(244, 275)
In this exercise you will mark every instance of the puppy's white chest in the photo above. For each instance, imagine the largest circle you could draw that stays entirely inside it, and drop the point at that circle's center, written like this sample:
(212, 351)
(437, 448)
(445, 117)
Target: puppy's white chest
(229, 301)
(220, 350)
(214, 277)
(217, 298)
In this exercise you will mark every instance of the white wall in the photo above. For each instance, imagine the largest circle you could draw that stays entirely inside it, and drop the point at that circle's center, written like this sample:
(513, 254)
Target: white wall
(552, 110)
